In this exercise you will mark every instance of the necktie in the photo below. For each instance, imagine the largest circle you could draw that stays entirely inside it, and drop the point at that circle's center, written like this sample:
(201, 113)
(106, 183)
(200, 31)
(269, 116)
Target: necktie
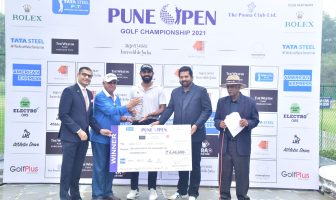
(86, 98)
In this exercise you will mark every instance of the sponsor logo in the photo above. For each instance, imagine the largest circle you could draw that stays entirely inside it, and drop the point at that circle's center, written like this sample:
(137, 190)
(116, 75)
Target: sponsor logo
(300, 21)
(266, 123)
(296, 141)
(298, 49)
(325, 102)
(295, 175)
(199, 46)
(298, 80)
(27, 169)
(264, 77)
(26, 135)
(169, 14)
(64, 46)
(71, 7)
(206, 149)
(25, 110)
(265, 99)
(63, 70)
(129, 128)
(27, 8)
(263, 144)
(26, 75)
(252, 13)
(295, 115)
(27, 43)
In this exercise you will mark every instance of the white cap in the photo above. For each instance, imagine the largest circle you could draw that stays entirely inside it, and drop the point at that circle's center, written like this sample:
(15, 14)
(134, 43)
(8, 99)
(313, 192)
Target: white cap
(110, 77)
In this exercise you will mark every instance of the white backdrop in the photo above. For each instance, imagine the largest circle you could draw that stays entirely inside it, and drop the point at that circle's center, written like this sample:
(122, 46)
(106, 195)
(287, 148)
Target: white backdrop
(273, 45)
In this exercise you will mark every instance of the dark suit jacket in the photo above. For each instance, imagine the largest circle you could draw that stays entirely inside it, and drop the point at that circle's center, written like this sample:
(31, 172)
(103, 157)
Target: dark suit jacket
(194, 109)
(247, 110)
(73, 115)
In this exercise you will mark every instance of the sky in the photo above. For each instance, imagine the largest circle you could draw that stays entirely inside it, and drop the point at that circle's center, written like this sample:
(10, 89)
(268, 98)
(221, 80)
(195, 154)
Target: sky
(329, 6)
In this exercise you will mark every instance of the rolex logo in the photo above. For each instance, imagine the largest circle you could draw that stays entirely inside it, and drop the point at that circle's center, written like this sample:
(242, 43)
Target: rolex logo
(299, 15)
(26, 8)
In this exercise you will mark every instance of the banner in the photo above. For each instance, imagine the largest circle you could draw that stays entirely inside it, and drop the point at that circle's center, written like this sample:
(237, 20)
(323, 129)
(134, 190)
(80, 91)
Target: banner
(274, 46)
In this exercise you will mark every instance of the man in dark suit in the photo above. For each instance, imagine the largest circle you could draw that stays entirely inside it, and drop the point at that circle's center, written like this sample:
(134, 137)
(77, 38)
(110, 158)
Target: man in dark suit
(75, 113)
(235, 150)
(191, 105)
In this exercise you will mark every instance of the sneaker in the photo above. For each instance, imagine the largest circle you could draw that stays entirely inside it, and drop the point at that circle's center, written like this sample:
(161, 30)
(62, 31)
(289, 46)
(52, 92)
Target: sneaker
(177, 196)
(152, 194)
(133, 194)
(192, 198)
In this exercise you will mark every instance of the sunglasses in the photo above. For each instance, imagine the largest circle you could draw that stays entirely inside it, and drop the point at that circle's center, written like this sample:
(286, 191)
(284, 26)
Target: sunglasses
(87, 75)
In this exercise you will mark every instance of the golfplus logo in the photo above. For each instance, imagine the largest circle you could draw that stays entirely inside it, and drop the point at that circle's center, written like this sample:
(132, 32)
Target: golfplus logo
(27, 169)
(295, 175)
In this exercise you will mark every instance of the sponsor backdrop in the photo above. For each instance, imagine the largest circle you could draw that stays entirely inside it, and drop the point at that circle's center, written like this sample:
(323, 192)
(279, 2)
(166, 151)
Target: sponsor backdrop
(273, 45)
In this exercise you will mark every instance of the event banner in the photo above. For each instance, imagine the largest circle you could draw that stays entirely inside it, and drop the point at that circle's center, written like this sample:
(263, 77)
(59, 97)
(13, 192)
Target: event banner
(274, 46)
(150, 148)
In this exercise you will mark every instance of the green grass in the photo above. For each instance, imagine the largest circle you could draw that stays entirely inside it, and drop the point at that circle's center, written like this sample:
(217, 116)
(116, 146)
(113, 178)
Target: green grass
(327, 120)
(2, 116)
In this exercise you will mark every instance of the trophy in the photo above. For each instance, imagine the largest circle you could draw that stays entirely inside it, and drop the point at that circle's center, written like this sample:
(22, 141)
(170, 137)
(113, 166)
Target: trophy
(138, 108)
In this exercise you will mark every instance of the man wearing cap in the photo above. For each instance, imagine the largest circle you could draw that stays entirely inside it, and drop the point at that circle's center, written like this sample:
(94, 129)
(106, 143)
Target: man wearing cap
(235, 151)
(75, 113)
(108, 111)
(190, 104)
(153, 104)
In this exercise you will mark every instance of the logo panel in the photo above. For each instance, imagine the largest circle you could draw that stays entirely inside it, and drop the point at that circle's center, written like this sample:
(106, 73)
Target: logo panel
(27, 75)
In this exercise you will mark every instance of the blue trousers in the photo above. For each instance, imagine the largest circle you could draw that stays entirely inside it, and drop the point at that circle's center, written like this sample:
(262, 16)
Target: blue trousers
(102, 178)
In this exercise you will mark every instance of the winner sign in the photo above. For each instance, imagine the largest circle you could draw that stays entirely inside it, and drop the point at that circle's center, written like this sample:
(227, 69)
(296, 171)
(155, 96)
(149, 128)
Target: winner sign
(150, 148)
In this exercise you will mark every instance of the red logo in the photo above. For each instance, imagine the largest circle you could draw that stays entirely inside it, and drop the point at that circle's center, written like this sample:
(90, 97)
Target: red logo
(199, 45)
(63, 69)
(263, 144)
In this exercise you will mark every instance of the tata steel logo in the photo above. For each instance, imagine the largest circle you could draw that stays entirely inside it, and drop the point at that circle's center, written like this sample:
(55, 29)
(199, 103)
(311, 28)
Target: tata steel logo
(27, 169)
(295, 113)
(266, 123)
(295, 175)
(27, 43)
(300, 21)
(298, 49)
(25, 110)
(169, 14)
(27, 16)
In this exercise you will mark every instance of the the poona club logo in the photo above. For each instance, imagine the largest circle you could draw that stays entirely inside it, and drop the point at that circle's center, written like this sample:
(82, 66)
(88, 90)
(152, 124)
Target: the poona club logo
(295, 113)
(27, 16)
(25, 109)
(252, 12)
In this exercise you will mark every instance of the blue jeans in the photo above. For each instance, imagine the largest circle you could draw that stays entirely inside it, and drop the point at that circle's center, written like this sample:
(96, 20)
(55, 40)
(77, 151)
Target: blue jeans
(102, 178)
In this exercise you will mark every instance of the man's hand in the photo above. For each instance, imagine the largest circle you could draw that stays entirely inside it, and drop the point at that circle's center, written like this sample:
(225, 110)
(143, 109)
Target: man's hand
(133, 102)
(243, 123)
(155, 123)
(193, 129)
(106, 132)
(83, 136)
(222, 124)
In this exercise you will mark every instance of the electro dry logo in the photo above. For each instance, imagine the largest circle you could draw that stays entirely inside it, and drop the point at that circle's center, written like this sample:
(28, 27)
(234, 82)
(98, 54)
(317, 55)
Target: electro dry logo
(25, 110)
(295, 175)
(295, 113)
(71, 7)
(26, 75)
(169, 14)
(298, 80)
(27, 169)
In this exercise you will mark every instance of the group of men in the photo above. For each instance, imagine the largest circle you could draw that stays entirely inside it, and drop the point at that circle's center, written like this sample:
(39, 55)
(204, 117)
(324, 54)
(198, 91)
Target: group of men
(190, 104)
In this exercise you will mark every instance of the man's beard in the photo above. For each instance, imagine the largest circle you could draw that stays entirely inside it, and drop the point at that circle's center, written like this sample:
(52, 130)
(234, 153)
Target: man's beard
(147, 79)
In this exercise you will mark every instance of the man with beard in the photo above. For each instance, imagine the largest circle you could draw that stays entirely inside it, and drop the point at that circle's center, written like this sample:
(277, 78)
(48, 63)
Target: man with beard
(190, 104)
(153, 104)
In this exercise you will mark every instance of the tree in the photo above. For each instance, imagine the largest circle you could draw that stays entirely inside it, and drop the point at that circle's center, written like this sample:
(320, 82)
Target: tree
(328, 35)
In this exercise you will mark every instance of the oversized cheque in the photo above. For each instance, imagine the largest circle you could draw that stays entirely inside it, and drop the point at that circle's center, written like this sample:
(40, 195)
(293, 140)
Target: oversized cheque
(146, 148)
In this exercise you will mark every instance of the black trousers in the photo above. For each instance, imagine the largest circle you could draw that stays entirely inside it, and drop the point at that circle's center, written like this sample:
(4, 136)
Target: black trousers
(152, 176)
(195, 174)
(72, 164)
(241, 164)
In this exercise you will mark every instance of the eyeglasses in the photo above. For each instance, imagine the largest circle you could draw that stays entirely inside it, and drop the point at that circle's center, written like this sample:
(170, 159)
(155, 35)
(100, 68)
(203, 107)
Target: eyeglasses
(87, 75)
(112, 83)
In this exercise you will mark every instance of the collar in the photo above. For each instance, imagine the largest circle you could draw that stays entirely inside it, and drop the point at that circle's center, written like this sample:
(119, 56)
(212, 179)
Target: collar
(80, 86)
(238, 100)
